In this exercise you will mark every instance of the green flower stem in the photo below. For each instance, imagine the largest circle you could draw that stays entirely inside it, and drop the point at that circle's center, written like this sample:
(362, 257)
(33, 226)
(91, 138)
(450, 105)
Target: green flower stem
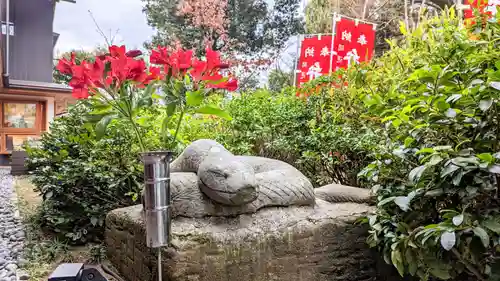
(138, 134)
(181, 116)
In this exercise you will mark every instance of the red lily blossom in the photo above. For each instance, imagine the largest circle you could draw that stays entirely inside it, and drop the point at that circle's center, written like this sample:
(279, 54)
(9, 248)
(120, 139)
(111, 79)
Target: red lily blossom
(154, 74)
(111, 70)
(159, 56)
(180, 62)
(213, 60)
(117, 51)
(125, 68)
(201, 72)
(64, 65)
(133, 53)
(86, 76)
(182, 59)
(230, 85)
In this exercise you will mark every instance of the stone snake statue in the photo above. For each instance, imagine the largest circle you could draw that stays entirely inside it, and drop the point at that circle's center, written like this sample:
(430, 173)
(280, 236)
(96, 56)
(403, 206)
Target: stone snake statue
(208, 180)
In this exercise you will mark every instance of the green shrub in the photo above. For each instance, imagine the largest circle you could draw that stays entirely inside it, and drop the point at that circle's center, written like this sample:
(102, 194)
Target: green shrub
(82, 178)
(325, 139)
(438, 179)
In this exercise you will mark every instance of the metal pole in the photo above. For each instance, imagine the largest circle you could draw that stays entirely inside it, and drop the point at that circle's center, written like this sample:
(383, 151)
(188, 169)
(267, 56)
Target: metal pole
(297, 55)
(334, 22)
(7, 40)
(157, 201)
(160, 278)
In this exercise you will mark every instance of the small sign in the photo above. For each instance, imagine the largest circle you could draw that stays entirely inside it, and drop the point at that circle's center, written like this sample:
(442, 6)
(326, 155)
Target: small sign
(4, 29)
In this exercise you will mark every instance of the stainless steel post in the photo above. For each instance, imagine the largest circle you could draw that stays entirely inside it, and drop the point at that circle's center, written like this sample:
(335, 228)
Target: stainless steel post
(157, 207)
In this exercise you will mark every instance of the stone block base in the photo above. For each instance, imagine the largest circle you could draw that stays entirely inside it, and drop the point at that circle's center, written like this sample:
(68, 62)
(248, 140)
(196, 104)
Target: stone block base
(289, 244)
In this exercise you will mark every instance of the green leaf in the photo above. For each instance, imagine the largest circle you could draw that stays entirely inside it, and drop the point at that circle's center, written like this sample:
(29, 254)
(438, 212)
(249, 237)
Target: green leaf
(449, 169)
(397, 261)
(102, 125)
(434, 160)
(435, 192)
(164, 125)
(495, 169)
(412, 261)
(458, 220)
(425, 150)
(214, 111)
(495, 85)
(440, 272)
(385, 201)
(409, 141)
(101, 109)
(396, 123)
(485, 104)
(94, 221)
(416, 173)
(492, 225)
(448, 240)
(403, 202)
(487, 157)
(453, 98)
(194, 98)
(451, 113)
(142, 120)
(443, 147)
(458, 178)
(171, 109)
(483, 235)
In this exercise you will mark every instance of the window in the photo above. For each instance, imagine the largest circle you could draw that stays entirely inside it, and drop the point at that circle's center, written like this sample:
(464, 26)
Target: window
(21, 121)
(19, 115)
(16, 142)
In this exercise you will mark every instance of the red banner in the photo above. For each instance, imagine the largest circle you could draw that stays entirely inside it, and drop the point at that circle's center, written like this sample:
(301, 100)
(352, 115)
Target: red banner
(314, 59)
(354, 42)
(488, 7)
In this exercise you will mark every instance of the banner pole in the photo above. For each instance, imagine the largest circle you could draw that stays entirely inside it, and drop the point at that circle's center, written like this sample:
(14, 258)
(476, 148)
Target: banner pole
(334, 22)
(360, 20)
(297, 56)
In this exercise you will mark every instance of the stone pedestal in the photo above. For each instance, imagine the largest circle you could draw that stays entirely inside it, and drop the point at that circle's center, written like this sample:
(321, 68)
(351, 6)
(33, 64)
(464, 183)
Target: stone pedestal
(290, 244)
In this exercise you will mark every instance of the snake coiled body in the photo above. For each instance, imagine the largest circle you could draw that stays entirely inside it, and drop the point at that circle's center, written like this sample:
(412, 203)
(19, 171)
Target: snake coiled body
(208, 180)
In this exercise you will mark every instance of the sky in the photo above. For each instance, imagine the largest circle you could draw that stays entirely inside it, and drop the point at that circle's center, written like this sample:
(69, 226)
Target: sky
(122, 19)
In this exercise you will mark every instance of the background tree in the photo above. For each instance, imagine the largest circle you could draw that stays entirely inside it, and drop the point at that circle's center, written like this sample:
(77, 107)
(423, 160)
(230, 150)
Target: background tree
(251, 33)
(279, 79)
(230, 25)
(387, 14)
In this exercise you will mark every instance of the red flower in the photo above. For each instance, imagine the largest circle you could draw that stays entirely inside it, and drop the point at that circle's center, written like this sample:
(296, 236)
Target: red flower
(213, 60)
(154, 74)
(184, 59)
(80, 93)
(159, 56)
(230, 85)
(133, 53)
(117, 51)
(86, 76)
(125, 68)
(64, 66)
(201, 72)
(181, 60)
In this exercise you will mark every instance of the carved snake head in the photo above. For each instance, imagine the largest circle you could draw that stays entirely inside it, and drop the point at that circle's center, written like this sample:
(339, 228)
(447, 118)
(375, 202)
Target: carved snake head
(227, 181)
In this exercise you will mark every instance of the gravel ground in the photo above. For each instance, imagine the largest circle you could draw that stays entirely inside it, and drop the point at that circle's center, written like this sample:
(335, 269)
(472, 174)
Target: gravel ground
(11, 230)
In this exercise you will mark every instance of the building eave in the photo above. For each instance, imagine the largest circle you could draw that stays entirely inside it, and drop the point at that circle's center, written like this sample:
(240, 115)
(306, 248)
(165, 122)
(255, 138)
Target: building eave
(40, 86)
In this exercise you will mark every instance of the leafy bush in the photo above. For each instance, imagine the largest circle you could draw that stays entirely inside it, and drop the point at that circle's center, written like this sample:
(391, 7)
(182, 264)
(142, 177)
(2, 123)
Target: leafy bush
(438, 179)
(80, 177)
(324, 138)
